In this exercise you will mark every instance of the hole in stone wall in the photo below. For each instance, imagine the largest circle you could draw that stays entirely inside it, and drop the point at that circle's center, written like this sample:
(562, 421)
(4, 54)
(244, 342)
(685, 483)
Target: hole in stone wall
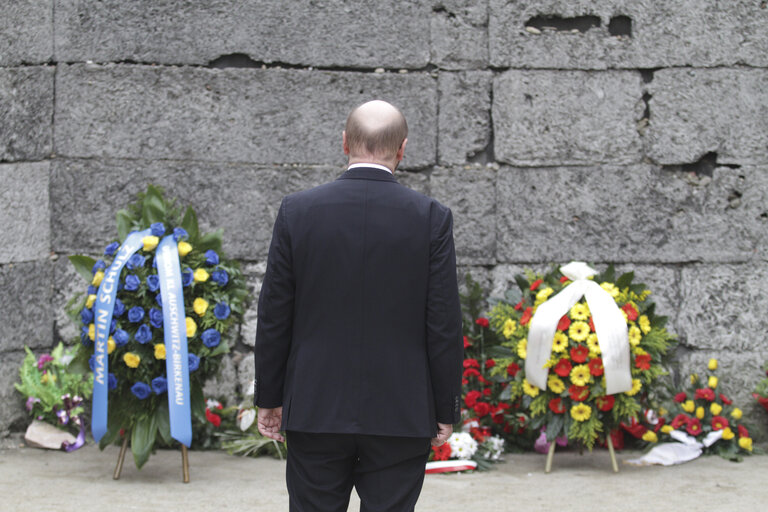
(234, 60)
(702, 167)
(646, 100)
(560, 24)
(647, 74)
(620, 26)
(440, 9)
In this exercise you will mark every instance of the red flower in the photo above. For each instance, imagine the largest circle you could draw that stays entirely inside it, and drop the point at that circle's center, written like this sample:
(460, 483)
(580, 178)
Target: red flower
(490, 363)
(467, 343)
(634, 428)
(694, 426)
(563, 367)
(578, 393)
(680, 421)
(564, 323)
(681, 397)
(482, 409)
(725, 399)
(556, 405)
(579, 354)
(605, 403)
(472, 398)
(591, 325)
(743, 432)
(643, 361)
(527, 314)
(442, 452)
(512, 369)
(471, 363)
(482, 322)
(630, 311)
(482, 379)
(705, 393)
(214, 419)
(719, 423)
(471, 372)
(487, 392)
(564, 279)
(536, 284)
(595, 366)
(479, 433)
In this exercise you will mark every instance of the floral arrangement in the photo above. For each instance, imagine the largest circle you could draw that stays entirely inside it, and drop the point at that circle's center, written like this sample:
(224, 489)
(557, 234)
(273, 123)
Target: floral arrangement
(463, 446)
(215, 296)
(55, 391)
(575, 403)
(761, 391)
(236, 429)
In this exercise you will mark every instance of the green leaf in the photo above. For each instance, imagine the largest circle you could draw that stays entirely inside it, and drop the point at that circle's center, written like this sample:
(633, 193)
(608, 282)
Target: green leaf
(625, 280)
(189, 223)
(222, 348)
(83, 266)
(153, 209)
(197, 401)
(143, 439)
(210, 241)
(124, 222)
(162, 418)
(555, 427)
(522, 282)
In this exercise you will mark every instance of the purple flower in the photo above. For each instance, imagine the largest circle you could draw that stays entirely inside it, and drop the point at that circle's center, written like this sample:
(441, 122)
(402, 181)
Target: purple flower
(119, 308)
(141, 390)
(63, 416)
(111, 382)
(111, 248)
(143, 334)
(156, 318)
(220, 277)
(211, 338)
(186, 277)
(45, 358)
(221, 311)
(159, 385)
(132, 282)
(193, 361)
(158, 229)
(180, 234)
(153, 282)
(135, 314)
(136, 261)
(99, 265)
(121, 337)
(31, 401)
(211, 258)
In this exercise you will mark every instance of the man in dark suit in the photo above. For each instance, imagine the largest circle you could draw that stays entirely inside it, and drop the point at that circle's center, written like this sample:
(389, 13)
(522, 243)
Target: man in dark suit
(358, 346)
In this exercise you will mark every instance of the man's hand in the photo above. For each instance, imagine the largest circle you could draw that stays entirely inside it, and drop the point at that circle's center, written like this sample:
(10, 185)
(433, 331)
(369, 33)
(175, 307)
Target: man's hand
(269, 423)
(444, 431)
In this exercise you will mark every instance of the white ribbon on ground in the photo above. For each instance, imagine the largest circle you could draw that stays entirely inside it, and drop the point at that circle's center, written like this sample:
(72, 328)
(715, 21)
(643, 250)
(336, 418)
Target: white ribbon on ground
(686, 449)
(610, 327)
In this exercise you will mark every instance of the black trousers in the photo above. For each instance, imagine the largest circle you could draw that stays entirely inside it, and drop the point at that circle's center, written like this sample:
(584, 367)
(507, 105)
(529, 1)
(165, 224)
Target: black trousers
(387, 472)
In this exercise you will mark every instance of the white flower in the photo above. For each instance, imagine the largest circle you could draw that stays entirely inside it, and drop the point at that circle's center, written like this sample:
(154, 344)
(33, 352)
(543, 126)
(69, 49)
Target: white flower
(494, 447)
(212, 404)
(462, 445)
(245, 418)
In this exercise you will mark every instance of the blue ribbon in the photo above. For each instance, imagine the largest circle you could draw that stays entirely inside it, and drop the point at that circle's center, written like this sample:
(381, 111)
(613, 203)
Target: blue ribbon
(105, 305)
(175, 331)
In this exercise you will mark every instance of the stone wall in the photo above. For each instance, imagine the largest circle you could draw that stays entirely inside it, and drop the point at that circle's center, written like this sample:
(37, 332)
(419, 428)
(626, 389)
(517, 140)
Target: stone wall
(632, 132)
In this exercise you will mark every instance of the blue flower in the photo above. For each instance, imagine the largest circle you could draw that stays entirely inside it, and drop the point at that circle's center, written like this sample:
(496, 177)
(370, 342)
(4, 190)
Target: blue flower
(136, 261)
(211, 258)
(186, 277)
(193, 361)
(86, 316)
(111, 381)
(211, 338)
(221, 311)
(135, 314)
(143, 334)
(132, 282)
(159, 385)
(154, 263)
(111, 248)
(153, 282)
(220, 277)
(92, 290)
(92, 362)
(99, 265)
(156, 318)
(121, 337)
(119, 308)
(112, 326)
(84, 339)
(141, 390)
(180, 234)
(157, 229)
(159, 300)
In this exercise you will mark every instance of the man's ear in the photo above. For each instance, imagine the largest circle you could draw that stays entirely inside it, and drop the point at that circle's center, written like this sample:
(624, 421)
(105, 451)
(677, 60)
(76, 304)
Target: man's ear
(401, 151)
(344, 142)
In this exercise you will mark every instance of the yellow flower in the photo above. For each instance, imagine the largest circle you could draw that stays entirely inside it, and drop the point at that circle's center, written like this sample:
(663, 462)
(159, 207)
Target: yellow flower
(92, 332)
(644, 323)
(610, 288)
(200, 305)
(559, 342)
(555, 384)
(191, 327)
(580, 375)
(650, 436)
(131, 360)
(90, 301)
(509, 328)
(159, 351)
(716, 408)
(700, 412)
(712, 365)
(579, 311)
(111, 345)
(544, 294)
(736, 413)
(97, 277)
(530, 389)
(688, 406)
(663, 411)
(522, 348)
(184, 248)
(745, 443)
(667, 429)
(201, 275)
(578, 331)
(712, 382)
(594, 347)
(728, 434)
(694, 378)
(636, 387)
(635, 336)
(48, 377)
(150, 242)
(639, 351)
(581, 412)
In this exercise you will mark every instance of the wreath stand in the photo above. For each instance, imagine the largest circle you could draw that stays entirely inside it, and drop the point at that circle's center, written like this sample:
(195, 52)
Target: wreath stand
(551, 453)
(124, 448)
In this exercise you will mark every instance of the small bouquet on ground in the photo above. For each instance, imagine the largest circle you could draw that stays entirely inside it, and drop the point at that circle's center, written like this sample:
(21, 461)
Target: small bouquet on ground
(56, 392)
(236, 428)
(462, 452)
(761, 391)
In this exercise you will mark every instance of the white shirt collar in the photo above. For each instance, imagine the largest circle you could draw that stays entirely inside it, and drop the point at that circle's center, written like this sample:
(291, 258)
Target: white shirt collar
(375, 166)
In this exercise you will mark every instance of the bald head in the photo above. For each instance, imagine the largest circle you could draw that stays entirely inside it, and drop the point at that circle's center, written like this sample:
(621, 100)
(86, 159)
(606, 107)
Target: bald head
(375, 132)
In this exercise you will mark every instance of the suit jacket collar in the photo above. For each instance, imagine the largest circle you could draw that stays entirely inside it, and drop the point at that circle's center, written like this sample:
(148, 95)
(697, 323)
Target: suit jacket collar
(367, 173)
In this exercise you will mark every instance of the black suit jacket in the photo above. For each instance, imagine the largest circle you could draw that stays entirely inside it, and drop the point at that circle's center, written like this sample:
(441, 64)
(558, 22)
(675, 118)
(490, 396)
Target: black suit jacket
(359, 327)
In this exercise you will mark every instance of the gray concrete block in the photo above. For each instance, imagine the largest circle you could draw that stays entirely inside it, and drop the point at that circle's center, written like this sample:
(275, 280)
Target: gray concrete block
(464, 119)
(24, 214)
(67, 284)
(26, 305)
(664, 283)
(241, 199)
(301, 32)
(418, 181)
(224, 385)
(13, 415)
(26, 32)
(246, 372)
(567, 117)
(697, 111)
(232, 115)
(470, 193)
(628, 214)
(26, 110)
(459, 30)
(723, 307)
(254, 274)
(663, 34)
